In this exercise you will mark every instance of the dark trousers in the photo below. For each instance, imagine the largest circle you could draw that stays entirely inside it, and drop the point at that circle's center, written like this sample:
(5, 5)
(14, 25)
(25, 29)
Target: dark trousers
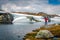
(45, 22)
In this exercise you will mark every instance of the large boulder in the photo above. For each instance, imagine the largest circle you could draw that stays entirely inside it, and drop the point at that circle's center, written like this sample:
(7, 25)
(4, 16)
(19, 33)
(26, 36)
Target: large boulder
(44, 34)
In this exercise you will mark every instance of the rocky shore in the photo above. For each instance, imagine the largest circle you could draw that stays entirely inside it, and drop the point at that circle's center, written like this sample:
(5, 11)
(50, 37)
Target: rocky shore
(54, 29)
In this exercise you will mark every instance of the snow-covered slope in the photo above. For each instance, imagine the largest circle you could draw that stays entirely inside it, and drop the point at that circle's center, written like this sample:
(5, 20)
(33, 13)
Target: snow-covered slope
(56, 19)
(23, 18)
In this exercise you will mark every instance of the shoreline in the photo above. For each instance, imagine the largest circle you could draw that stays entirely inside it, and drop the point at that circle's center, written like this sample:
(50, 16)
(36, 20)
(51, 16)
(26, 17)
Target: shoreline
(54, 29)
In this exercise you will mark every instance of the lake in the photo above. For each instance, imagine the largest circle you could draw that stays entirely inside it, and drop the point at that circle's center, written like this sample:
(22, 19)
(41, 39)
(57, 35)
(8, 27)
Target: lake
(18, 29)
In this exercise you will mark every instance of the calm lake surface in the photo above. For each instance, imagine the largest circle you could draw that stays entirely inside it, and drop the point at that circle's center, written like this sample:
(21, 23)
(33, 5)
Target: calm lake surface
(12, 31)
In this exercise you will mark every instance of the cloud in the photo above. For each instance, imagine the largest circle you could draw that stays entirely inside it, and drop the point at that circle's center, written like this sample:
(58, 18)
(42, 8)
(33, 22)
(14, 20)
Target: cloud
(3, 2)
(13, 7)
(31, 6)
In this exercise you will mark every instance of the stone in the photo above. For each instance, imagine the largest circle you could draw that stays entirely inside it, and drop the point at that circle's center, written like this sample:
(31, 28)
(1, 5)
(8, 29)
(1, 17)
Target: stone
(27, 39)
(44, 34)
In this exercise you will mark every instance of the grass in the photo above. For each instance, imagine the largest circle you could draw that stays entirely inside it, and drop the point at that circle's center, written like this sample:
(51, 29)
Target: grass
(54, 29)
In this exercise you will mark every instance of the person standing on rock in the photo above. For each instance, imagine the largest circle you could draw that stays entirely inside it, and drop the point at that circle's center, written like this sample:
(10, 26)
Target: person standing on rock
(46, 20)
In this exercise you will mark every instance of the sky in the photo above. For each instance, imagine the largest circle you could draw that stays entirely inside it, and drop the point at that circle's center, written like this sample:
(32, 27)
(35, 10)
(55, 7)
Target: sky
(46, 6)
(54, 2)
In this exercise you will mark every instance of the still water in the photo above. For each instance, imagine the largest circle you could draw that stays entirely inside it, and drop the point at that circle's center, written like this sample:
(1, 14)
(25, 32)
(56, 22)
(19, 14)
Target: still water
(12, 31)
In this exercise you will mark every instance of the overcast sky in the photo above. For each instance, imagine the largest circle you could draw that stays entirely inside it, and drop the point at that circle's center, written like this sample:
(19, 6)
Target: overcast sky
(47, 6)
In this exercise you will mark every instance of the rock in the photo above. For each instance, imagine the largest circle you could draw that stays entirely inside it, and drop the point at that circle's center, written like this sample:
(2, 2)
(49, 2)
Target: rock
(44, 34)
(27, 39)
(56, 24)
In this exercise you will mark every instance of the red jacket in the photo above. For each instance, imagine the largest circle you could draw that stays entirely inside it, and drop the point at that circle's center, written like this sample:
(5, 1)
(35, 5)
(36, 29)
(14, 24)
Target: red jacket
(46, 19)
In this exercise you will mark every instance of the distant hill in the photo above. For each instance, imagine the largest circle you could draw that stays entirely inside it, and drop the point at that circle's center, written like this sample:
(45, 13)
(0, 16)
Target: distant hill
(38, 14)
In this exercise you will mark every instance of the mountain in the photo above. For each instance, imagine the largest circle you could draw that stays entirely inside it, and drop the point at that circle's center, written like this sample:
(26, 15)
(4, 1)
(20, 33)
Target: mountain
(38, 14)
